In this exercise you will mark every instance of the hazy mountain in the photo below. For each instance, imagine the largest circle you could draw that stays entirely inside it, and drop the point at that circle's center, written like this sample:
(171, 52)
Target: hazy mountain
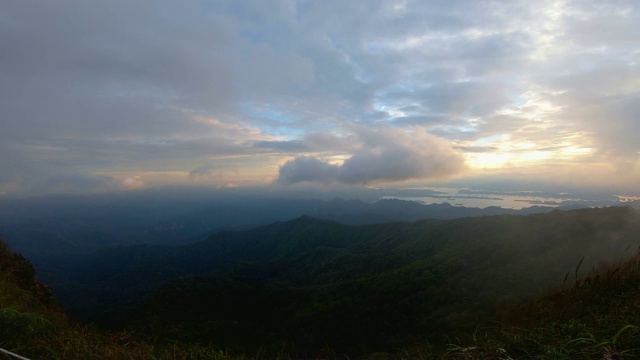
(387, 285)
(153, 217)
(55, 231)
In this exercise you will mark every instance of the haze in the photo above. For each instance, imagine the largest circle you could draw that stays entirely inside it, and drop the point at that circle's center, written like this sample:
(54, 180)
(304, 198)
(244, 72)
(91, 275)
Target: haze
(120, 95)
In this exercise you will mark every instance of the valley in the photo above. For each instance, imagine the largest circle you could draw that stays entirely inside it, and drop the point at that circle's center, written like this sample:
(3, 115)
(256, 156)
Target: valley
(308, 284)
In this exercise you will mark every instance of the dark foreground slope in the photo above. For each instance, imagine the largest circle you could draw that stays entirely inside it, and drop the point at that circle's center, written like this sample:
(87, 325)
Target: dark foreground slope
(596, 317)
(33, 326)
(309, 284)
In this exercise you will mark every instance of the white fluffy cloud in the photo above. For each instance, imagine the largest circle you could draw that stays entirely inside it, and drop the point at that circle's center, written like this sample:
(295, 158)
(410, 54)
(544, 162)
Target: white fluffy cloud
(385, 155)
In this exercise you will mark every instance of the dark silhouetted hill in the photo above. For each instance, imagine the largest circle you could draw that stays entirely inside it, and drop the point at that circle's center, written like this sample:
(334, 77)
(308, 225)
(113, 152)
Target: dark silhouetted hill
(359, 289)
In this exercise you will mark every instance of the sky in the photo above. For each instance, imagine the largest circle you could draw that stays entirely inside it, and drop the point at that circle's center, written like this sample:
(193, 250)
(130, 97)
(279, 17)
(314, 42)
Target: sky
(119, 95)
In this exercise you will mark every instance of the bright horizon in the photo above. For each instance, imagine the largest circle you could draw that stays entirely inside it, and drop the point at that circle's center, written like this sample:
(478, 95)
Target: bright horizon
(285, 94)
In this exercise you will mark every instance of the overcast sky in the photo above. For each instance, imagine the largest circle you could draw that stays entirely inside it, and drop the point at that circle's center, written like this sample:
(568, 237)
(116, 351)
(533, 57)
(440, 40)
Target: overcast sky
(124, 94)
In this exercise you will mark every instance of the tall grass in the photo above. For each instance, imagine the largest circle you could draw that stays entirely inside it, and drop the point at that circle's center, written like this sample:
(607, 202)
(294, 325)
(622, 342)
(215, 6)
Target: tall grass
(597, 318)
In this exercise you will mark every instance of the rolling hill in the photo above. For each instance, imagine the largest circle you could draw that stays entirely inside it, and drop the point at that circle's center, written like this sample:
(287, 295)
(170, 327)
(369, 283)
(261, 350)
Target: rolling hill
(360, 289)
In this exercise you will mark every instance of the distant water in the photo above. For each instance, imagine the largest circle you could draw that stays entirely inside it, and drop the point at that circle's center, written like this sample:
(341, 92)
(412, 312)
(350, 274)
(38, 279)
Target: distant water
(519, 200)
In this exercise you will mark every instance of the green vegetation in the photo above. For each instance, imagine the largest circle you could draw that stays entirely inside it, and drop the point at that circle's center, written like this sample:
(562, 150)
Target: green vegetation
(310, 288)
(598, 317)
(309, 283)
(32, 325)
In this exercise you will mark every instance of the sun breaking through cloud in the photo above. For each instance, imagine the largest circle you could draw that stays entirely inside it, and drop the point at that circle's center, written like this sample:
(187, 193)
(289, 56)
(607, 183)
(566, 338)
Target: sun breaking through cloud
(229, 93)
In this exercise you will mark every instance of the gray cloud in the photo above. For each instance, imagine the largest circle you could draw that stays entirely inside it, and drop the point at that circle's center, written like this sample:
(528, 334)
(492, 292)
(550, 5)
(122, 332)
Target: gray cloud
(308, 169)
(286, 146)
(209, 171)
(125, 86)
(386, 154)
(477, 149)
(74, 184)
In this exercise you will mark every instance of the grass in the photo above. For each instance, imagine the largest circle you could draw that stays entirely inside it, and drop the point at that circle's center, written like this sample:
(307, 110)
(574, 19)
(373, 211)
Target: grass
(597, 318)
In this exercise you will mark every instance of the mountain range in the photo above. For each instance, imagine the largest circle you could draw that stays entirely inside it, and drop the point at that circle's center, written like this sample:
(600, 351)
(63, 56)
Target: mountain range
(359, 288)
(288, 277)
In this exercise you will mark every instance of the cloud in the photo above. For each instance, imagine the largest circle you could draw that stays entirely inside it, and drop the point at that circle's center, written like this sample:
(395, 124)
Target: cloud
(69, 183)
(286, 146)
(605, 102)
(209, 171)
(385, 155)
(160, 86)
(132, 183)
(78, 183)
(212, 174)
(306, 168)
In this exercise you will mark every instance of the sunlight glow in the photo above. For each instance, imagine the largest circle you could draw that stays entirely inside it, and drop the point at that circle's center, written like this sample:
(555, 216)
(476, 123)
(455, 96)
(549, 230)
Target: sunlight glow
(510, 153)
(487, 160)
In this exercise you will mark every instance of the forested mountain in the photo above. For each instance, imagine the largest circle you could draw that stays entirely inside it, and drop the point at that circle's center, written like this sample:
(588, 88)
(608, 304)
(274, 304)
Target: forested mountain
(309, 287)
(57, 232)
(310, 283)
(38, 226)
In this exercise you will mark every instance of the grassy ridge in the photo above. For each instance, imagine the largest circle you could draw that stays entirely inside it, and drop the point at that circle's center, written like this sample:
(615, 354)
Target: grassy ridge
(596, 317)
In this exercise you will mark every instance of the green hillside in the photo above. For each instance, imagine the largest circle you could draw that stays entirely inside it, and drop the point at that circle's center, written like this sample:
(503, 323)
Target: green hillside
(309, 284)
(33, 326)
(311, 288)
(596, 317)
